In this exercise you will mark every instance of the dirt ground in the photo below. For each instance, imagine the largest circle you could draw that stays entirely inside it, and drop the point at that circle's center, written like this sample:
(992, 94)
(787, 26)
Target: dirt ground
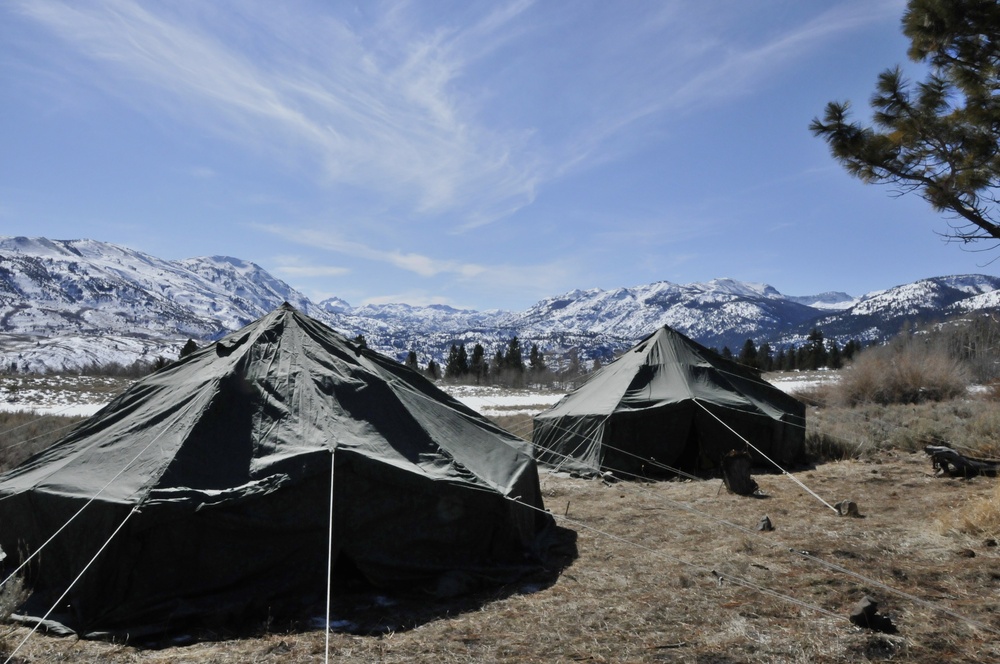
(679, 572)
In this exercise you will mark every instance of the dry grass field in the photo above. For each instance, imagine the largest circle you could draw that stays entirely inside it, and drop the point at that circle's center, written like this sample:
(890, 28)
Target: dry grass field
(677, 572)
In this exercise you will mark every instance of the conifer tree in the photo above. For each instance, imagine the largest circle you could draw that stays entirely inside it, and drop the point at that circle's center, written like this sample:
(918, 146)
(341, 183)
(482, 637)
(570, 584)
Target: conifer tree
(764, 357)
(478, 366)
(411, 360)
(457, 365)
(790, 358)
(814, 355)
(498, 365)
(939, 139)
(748, 354)
(536, 360)
(188, 348)
(514, 363)
(833, 357)
(573, 369)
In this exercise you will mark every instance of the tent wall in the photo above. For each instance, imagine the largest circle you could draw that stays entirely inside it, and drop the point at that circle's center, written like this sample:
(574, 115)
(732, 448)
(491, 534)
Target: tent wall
(175, 561)
(571, 444)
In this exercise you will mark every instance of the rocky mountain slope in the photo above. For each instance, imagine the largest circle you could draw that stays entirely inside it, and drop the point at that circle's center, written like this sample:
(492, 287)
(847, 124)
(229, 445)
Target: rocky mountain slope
(69, 304)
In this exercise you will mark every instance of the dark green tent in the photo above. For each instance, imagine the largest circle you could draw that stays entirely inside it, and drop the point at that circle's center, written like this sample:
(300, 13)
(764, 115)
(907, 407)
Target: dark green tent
(669, 401)
(216, 473)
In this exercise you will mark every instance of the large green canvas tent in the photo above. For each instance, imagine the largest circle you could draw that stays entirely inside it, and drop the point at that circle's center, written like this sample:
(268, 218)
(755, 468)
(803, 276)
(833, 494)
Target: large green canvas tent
(668, 402)
(209, 484)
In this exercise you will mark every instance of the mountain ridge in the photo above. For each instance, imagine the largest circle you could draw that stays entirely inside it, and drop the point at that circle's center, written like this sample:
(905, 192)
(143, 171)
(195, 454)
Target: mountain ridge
(68, 304)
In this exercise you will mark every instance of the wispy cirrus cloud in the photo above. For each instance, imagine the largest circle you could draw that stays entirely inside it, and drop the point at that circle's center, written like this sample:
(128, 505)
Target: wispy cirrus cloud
(394, 106)
(701, 65)
(539, 278)
(743, 67)
(311, 270)
(382, 115)
(419, 264)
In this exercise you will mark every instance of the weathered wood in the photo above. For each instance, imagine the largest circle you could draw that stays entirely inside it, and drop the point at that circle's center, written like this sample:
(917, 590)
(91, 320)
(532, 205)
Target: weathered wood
(947, 461)
(736, 473)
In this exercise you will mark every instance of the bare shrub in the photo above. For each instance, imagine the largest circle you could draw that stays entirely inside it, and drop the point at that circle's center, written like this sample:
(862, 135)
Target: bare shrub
(903, 372)
(824, 447)
(23, 434)
(975, 342)
(12, 594)
(819, 395)
(519, 424)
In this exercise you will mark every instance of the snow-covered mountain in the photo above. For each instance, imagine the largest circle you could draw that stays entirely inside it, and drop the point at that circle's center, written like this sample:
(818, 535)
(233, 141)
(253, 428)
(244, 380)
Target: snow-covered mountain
(712, 312)
(66, 304)
(69, 304)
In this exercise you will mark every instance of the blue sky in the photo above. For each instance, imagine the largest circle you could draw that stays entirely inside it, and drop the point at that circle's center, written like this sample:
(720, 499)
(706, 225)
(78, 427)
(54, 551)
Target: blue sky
(477, 154)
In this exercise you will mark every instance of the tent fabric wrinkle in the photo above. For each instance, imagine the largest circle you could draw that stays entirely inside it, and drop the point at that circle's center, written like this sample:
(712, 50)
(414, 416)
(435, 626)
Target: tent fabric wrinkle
(226, 456)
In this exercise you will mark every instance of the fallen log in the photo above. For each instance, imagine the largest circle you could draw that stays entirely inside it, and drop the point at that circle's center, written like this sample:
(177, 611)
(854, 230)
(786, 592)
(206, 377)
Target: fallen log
(947, 461)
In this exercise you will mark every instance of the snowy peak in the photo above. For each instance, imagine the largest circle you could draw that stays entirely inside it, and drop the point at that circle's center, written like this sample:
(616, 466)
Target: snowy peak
(713, 312)
(834, 300)
(334, 305)
(739, 289)
(83, 288)
(924, 297)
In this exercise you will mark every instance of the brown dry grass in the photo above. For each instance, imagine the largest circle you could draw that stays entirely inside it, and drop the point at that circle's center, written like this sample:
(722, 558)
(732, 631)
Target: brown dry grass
(660, 577)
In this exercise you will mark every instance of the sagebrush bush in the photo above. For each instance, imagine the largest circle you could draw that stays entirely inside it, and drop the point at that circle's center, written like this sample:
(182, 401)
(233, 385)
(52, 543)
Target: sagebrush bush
(23, 434)
(907, 372)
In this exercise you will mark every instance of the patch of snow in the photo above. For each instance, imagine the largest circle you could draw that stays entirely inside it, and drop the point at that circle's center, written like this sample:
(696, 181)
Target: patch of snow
(489, 400)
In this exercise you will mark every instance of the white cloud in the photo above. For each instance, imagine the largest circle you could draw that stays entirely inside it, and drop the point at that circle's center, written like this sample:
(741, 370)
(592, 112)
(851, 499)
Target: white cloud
(532, 279)
(311, 270)
(419, 264)
(412, 298)
(381, 115)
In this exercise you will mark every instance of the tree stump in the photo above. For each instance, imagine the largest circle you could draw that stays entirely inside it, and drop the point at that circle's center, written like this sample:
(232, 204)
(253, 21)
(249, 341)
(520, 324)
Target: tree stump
(736, 473)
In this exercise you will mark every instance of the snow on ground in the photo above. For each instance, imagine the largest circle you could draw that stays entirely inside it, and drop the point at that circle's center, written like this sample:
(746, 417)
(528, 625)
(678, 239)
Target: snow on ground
(797, 381)
(58, 395)
(490, 400)
(85, 395)
(68, 410)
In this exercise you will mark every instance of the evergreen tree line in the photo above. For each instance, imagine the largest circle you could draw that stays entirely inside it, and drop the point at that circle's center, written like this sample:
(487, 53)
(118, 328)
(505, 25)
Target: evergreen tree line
(507, 366)
(815, 353)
